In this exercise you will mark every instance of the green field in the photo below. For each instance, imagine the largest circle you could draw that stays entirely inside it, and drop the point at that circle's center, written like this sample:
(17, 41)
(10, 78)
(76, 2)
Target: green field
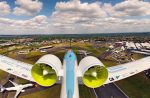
(86, 92)
(53, 92)
(3, 75)
(137, 86)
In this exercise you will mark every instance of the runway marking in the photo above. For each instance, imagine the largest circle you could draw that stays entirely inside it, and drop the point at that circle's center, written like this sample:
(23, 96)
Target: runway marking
(111, 96)
(121, 90)
(95, 93)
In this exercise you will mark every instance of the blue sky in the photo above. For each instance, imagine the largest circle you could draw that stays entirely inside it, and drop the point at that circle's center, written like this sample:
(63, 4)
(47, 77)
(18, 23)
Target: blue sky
(74, 16)
(49, 6)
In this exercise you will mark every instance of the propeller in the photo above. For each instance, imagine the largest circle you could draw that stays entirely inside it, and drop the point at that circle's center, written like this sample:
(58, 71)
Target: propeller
(44, 74)
(47, 70)
(95, 76)
(93, 72)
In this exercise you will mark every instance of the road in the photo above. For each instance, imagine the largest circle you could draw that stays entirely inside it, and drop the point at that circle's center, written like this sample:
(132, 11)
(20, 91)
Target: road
(110, 91)
(105, 54)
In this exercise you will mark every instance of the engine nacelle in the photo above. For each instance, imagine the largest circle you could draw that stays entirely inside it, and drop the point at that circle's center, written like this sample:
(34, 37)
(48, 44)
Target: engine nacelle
(2, 89)
(147, 73)
(94, 73)
(22, 91)
(45, 70)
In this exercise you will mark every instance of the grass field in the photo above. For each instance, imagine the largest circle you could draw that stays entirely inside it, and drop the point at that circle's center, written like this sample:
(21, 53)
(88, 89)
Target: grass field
(86, 92)
(3, 75)
(53, 92)
(137, 86)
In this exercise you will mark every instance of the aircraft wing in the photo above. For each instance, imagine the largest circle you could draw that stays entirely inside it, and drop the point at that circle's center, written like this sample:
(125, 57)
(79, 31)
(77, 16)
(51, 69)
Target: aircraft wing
(17, 68)
(15, 84)
(123, 71)
(17, 93)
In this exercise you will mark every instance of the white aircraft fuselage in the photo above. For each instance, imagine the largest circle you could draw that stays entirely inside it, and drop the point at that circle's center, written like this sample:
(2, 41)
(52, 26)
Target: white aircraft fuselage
(15, 88)
(70, 88)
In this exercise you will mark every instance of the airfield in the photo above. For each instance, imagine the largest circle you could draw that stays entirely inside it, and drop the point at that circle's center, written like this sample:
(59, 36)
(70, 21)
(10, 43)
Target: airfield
(130, 86)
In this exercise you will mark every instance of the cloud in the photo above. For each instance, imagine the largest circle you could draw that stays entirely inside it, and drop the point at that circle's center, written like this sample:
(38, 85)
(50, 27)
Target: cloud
(77, 17)
(27, 7)
(38, 20)
(70, 15)
(87, 10)
(4, 8)
(34, 25)
(132, 8)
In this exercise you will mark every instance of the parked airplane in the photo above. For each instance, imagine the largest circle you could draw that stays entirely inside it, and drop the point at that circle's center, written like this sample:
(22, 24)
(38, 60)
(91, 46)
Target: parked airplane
(48, 70)
(84, 52)
(17, 87)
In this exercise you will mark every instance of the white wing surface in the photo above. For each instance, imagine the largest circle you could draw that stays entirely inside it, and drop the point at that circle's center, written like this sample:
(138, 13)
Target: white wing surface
(15, 84)
(18, 92)
(17, 68)
(123, 71)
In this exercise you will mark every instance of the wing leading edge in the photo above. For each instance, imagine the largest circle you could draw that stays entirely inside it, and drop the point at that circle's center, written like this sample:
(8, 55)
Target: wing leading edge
(123, 71)
(17, 68)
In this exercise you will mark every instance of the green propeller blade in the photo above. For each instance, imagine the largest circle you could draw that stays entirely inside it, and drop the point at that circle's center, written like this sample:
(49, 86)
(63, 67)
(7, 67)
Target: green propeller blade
(43, 74)
(95, 76)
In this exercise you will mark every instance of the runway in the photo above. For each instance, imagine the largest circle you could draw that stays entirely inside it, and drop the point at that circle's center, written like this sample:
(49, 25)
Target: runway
(110, 91)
